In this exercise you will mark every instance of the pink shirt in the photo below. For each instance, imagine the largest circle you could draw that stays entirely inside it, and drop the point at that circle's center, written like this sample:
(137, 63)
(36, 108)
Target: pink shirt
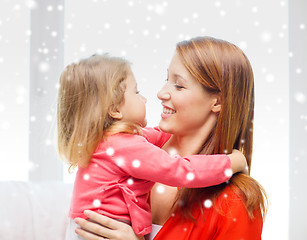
(124, 168)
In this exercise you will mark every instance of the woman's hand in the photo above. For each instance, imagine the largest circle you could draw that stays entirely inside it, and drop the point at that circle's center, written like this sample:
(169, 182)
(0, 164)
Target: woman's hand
(102, 227)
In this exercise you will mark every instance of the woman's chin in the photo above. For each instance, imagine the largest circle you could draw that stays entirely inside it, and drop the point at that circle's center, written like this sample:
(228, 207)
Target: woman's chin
(163, 127)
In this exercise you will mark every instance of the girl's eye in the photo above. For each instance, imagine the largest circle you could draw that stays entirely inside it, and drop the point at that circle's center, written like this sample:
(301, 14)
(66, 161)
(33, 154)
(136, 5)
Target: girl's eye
(137, 92)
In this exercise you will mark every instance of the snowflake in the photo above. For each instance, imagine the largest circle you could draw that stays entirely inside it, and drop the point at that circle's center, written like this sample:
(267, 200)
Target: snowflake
(243, 45)
(32, 118)
(160, 189)
(120, 161)
(54, 34)
(130, 181)
(86, 177)
(254, 9)
(107, 26)
(228, 172)
(96, 203)
(50, 8)
(186, 20)
(270, 78)
(172, 151)
(136, 163)
(44, 67)
(48, 142)
(190, 176)
(195, 15)
(160, 9)
(49, 118)
(31, 4)
(300, 97)
(266, 37)
(110, 151)
(217, 4)
(222, 13)
(208, 203)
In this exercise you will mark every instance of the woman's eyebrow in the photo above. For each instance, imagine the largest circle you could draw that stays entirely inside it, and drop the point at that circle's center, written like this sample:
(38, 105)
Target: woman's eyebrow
(181, 77)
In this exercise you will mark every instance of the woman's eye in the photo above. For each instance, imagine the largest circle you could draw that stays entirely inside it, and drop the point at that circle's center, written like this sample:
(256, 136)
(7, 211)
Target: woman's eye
(178, 86)
(137, 92)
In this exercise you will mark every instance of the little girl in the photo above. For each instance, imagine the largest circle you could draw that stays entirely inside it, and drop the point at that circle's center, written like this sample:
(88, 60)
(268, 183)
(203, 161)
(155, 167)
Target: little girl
(101, 120)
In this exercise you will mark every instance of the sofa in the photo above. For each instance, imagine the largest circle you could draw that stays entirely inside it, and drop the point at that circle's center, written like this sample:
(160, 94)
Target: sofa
(34, 210)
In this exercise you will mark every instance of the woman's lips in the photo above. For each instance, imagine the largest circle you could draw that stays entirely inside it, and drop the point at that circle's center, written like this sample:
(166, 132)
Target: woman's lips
(167, 112)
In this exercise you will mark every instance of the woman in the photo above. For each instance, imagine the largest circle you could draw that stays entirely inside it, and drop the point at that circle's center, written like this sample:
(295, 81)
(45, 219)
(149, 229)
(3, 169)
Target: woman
(209, 93)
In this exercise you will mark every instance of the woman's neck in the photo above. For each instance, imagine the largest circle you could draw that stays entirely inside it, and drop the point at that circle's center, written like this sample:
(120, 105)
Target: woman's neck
(190, 143)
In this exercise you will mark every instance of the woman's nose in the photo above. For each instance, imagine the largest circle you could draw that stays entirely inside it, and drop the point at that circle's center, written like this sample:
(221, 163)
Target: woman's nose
(163, 94)
(144, 99)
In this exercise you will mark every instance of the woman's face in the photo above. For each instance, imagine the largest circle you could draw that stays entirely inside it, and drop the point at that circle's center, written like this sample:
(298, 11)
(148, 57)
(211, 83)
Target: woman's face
(187, 106)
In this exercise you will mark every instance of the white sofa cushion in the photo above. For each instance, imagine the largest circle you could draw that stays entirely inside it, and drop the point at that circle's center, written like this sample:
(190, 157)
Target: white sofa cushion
(34, 210)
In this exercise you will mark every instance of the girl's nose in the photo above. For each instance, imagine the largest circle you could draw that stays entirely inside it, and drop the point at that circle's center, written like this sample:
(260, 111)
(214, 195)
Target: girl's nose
(164, 94)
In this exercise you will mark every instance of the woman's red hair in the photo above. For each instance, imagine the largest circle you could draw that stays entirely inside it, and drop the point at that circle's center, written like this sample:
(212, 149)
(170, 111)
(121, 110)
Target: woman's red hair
(222, 68)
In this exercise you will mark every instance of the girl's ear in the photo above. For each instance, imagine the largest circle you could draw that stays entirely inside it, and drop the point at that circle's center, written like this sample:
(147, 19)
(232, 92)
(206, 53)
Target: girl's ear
(216, 107)
(115, 113)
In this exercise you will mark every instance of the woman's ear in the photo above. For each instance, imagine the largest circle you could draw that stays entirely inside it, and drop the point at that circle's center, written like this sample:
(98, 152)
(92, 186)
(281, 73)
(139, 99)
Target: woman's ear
(217, 105)
(115, 113)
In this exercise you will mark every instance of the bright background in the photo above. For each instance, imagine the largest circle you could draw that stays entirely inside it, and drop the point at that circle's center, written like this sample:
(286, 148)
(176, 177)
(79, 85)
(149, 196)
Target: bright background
(34, 52)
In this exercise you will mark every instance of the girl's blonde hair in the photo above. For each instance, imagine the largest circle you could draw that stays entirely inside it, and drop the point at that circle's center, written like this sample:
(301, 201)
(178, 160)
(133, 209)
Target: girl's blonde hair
(88, 91)
(222, 68)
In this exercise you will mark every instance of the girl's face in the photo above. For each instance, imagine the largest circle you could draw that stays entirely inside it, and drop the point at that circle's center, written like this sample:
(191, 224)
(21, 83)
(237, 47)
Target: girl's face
(186, 104)
(133, 109)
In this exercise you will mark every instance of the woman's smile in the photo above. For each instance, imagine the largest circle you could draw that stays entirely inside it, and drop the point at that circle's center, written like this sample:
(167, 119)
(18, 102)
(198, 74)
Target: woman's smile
(167, 111)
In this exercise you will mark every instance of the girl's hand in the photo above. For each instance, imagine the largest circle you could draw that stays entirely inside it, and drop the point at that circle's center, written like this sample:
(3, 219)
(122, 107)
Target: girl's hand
(102, 227)
(238, 162)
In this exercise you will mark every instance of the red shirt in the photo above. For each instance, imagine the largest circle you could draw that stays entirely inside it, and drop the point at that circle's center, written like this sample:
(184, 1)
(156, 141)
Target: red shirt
(228, 221)
(123, 170)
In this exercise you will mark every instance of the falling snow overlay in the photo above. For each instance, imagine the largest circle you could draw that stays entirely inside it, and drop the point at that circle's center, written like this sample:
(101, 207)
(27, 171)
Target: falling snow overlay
(145, 33)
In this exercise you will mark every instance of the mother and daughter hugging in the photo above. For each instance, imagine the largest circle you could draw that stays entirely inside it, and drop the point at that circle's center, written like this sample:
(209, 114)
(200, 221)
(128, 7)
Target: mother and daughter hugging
(127, 185)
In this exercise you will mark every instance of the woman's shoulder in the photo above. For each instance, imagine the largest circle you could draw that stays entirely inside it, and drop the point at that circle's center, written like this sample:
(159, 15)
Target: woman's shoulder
(230, 205)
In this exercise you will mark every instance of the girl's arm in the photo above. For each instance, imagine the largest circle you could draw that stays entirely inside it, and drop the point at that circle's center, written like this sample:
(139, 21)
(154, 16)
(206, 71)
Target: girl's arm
(101, 227)
(140, 159)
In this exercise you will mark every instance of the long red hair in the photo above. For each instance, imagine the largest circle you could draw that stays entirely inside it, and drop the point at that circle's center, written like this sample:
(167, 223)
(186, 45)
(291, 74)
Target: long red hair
(222, 68)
